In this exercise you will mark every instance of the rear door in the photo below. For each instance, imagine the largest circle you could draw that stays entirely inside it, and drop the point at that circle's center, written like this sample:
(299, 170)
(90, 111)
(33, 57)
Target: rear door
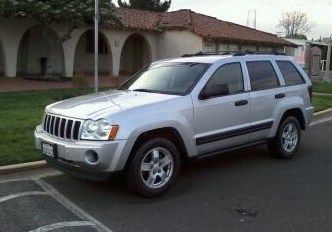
(264, 96)
(219, 121)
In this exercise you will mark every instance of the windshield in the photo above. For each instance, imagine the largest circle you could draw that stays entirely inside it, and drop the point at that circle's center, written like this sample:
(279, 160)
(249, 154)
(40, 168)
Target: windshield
(167, 78)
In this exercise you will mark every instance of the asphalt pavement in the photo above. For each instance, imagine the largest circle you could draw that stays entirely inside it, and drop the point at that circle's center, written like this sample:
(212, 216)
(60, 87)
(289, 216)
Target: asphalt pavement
(245, 190)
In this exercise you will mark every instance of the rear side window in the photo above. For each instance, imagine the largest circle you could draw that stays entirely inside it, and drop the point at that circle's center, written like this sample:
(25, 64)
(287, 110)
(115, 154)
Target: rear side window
(229, 75)
(290, 73)
(262, 75)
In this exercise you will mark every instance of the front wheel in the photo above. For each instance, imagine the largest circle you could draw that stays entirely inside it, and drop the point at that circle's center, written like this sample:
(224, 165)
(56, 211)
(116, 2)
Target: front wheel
(288, 138)
(154, 168)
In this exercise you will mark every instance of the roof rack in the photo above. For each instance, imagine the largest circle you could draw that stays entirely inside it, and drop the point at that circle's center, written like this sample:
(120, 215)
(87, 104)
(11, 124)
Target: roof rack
(235, 53)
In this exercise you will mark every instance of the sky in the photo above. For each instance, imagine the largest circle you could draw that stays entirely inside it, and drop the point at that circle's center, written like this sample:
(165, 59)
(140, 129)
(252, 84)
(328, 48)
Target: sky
(268, 12)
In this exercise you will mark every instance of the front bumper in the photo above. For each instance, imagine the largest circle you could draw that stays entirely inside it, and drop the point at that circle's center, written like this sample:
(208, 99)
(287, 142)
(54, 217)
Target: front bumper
(71, 155)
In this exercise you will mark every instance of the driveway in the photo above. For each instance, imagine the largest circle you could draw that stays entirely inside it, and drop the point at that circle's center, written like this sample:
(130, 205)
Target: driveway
(246, 190)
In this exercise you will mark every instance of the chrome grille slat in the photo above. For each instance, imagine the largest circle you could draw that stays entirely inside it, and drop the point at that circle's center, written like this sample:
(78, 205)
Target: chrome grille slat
(49, 124)
(65, 132)
(62, 127)
(72, 130)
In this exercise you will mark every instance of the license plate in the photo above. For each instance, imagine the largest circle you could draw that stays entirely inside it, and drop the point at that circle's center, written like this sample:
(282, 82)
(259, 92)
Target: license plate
(48, 149)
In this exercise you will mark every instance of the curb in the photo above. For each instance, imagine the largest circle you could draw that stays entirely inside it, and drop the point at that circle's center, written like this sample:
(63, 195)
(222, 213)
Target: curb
(322, 94)
(22, 167)
(319, 113)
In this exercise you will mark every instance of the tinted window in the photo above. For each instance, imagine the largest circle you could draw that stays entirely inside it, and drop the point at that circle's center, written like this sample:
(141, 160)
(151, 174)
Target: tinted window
(290, 73)
(262, 75)
(229, 75)
(168, 78)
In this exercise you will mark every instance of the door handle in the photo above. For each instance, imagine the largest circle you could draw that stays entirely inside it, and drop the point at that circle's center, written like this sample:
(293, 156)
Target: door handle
(280, 95)
(241, 103)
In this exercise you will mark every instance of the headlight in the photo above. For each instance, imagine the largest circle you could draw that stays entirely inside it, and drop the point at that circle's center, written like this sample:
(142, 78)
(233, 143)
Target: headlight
(99, 130)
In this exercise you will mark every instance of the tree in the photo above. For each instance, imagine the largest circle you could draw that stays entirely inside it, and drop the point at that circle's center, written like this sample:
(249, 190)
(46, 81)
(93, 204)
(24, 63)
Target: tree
(297, 36)
(150, 5)
(74, 13)
(295, 23)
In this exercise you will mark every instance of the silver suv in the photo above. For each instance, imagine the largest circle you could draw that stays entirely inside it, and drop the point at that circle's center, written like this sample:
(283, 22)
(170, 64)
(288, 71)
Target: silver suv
(178, 109)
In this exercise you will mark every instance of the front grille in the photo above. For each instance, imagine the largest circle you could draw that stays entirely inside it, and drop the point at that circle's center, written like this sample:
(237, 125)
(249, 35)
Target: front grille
(62, 127)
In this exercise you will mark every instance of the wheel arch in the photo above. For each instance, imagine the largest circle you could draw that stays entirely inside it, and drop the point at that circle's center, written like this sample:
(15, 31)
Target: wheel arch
(298, 114)
(169, 133)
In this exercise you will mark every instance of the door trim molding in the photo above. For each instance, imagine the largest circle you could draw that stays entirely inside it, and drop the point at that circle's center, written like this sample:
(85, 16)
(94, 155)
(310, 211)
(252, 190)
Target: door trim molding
(233, 133)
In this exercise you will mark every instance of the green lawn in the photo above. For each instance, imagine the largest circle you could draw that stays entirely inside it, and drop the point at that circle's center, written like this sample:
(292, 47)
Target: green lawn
(322, 87)
(322, 102)
(21, 112)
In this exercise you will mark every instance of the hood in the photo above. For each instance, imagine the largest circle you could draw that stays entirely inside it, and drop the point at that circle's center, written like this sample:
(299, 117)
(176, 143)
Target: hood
(104, 104)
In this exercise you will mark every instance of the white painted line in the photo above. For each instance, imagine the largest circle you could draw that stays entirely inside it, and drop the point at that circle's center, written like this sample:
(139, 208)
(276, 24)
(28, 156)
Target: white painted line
(45, 175)
(51, 174)
(60, 225)
(12, 196)
(324, 120)
(15, 180)
(70, 205)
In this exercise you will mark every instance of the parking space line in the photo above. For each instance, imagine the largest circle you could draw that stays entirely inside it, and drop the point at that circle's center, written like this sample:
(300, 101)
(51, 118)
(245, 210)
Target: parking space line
(12, 196)
(70, 205)
(15, 180)
(324, 120)
(65, 224)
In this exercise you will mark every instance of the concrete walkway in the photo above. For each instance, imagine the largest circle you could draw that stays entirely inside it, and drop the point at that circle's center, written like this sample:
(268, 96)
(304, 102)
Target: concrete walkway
(323, 94)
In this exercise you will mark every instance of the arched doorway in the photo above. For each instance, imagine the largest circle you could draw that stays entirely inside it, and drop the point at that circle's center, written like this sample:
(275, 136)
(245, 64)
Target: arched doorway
(2, 61)
(84, 55)
(135, 54)
(40, 53)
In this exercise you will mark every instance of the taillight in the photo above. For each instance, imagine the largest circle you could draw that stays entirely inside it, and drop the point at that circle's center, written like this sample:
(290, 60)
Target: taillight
(310, 92)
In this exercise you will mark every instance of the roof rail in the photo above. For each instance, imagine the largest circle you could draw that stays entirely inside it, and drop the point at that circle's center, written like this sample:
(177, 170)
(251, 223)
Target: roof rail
(235, 53)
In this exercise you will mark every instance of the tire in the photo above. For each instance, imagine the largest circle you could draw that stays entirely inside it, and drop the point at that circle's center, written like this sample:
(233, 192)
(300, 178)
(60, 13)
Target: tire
(287, 140)
(154, 168)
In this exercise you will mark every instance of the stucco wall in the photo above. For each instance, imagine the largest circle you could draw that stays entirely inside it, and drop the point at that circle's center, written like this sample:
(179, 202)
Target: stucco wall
(177, 43)
(84, 62)
(33, 47)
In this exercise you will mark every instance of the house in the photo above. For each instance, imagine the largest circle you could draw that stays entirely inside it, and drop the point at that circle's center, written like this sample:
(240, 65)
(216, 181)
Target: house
(314, 56)
(145, 37)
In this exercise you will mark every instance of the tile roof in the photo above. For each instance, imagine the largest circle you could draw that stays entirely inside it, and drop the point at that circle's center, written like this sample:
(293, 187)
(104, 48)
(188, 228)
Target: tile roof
(209, 28)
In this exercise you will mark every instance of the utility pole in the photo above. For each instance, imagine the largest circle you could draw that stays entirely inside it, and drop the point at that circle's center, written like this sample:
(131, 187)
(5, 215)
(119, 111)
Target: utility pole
(328, 60)
(252, 18)
(96, 19)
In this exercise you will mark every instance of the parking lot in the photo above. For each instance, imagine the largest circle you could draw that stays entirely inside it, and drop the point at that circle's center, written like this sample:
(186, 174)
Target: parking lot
(246, 190)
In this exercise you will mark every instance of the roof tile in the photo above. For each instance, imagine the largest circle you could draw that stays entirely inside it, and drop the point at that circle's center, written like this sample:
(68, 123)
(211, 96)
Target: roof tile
(207, 27)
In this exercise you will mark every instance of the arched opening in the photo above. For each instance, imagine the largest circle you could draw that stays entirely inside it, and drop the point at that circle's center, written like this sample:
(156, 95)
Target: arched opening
(40, 53)
(84, 55)
(2, 61)
(135, 55)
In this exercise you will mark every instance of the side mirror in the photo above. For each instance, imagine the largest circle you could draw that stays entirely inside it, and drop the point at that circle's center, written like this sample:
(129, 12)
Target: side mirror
(215, 90)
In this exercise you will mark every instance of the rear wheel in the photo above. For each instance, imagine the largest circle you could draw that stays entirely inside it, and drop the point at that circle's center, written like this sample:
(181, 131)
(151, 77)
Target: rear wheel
(154, 168)
(288, 138)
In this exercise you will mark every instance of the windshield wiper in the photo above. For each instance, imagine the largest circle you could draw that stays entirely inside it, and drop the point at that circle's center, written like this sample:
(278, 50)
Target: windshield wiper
(144, 90)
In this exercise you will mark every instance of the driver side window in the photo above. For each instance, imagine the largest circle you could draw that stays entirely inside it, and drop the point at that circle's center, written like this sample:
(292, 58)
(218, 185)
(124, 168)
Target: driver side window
(228, 76)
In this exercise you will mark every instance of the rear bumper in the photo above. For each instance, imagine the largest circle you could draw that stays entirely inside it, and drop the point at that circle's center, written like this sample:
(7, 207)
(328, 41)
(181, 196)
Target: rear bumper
(308, 114)
(71, 155)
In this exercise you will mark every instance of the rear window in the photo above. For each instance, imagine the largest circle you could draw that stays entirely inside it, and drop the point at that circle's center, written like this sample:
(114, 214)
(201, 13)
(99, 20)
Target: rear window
(290, 73)
(262, 75)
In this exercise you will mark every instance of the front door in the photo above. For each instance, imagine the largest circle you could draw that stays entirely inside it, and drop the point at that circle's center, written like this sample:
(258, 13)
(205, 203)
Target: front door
(220, 120)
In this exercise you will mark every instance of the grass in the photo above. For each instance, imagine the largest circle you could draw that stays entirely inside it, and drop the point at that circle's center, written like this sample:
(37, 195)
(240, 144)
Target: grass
(322, 102)
(21, 112)
(322, 87)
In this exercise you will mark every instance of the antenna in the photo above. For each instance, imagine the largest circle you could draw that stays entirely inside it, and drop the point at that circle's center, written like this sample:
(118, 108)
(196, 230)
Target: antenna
(252, 18)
